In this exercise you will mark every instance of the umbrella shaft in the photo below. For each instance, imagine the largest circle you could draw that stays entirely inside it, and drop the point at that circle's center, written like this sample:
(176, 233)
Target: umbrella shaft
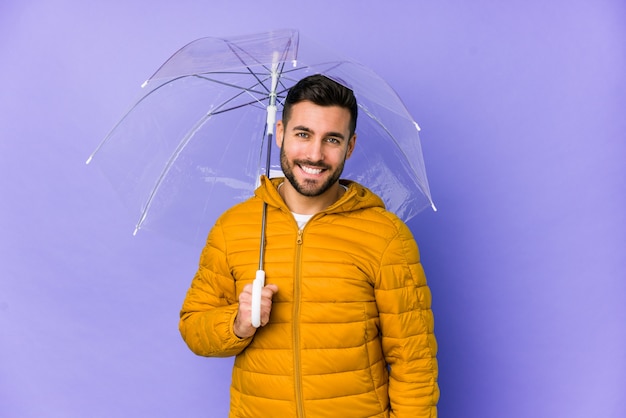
(270, 138)
(262, 249)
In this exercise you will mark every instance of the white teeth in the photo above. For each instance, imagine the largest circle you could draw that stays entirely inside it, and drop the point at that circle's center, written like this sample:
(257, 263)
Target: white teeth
(310, 170)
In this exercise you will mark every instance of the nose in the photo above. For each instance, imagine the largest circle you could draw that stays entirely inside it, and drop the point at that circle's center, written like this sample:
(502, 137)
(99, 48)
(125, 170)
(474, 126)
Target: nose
(315, 151)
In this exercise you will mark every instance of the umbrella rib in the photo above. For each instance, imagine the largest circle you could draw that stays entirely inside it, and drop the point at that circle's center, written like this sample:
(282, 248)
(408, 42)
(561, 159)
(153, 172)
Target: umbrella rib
(234, 86)
(250, 90)
(238, 51)
(243, 90)
(137, 103)
(181, 146)
(232, 47)
(423, 187)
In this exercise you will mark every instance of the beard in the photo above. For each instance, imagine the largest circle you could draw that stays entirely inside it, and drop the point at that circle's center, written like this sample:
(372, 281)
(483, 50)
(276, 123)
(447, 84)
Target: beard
(309, 188)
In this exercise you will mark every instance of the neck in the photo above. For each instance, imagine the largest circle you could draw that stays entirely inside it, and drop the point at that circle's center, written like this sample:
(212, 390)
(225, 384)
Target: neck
(309, 205)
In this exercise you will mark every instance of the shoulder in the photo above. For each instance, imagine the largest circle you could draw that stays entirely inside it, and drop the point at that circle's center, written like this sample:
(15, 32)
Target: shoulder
(378, 220)
(241, 211)
(242, 218)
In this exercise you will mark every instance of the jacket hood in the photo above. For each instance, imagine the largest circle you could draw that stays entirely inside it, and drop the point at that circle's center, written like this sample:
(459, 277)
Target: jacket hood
(357, 197)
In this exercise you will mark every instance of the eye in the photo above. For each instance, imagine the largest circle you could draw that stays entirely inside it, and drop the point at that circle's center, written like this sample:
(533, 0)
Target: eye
(302, 134)
(333, 140)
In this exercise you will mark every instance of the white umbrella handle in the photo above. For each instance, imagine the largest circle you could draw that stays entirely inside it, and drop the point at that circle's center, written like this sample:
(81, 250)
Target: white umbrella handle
(257, 287)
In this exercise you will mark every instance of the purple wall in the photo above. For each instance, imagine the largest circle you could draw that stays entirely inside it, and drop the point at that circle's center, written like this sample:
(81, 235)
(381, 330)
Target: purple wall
(521, 105)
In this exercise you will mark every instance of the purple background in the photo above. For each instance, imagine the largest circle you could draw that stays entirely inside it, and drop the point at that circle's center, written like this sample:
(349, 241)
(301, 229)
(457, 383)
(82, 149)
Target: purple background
(521, 105)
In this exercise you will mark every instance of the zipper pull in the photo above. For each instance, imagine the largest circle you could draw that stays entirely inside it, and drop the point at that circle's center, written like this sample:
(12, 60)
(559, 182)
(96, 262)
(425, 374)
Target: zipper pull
(299, 239)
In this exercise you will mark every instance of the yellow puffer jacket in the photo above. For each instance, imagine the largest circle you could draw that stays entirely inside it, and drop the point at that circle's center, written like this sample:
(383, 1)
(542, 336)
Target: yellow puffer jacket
(351, 328)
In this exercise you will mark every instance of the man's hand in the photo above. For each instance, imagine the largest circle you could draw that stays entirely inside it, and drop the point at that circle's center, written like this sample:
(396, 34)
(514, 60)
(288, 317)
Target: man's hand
(243, 322)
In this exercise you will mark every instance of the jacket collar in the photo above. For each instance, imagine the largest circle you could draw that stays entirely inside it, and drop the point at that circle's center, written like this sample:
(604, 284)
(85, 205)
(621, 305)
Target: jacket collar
(357, 197)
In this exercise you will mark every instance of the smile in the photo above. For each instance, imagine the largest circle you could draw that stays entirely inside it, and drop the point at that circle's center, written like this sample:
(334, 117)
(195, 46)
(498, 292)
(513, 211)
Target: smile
(311, 170)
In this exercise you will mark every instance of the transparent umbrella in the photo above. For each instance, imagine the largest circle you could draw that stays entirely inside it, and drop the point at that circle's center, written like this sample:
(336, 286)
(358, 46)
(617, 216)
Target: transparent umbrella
(200, 134)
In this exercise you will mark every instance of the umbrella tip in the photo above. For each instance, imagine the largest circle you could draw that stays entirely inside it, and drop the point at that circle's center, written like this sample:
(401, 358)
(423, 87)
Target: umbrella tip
(89, 160)
(432, 205)
(417, 126)
(145, 83)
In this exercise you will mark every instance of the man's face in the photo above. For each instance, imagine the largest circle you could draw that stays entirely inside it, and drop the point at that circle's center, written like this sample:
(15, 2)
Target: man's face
(315, 144)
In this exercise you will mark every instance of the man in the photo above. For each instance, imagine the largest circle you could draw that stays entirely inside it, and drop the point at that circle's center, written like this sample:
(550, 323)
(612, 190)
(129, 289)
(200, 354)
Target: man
(346, 325)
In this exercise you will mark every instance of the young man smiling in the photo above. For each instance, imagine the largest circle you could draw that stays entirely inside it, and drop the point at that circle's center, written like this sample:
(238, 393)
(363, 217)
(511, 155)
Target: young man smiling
(313, 150)
(346, 324)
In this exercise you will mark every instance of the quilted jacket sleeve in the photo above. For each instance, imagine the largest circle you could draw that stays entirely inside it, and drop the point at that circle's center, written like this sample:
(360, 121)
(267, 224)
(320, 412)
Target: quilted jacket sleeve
(210, 307)
(407, 328)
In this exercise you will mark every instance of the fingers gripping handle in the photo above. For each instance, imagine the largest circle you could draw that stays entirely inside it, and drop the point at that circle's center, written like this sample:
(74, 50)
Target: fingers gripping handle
(257, 287)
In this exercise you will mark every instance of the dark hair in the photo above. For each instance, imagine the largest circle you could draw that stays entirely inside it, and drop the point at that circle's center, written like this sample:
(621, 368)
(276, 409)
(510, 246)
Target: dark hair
(322, 91)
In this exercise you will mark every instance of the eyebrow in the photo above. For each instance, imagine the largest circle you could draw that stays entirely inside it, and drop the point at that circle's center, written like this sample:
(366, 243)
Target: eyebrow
(309, 130)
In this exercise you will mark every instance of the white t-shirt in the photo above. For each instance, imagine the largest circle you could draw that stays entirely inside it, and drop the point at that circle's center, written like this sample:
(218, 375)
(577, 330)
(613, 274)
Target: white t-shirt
(303, 219)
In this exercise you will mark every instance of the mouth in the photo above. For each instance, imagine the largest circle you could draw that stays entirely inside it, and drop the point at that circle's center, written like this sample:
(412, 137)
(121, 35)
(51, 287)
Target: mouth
(311, 170)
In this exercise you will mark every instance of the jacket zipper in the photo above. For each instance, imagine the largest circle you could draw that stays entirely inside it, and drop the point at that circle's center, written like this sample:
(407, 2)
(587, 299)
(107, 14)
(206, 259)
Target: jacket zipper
(296, 326)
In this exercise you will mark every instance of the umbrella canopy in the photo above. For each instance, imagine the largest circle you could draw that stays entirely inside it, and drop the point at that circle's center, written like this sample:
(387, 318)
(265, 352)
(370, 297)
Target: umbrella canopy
(199, 137)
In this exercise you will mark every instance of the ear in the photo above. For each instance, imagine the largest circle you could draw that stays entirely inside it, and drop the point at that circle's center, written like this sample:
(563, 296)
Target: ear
(280, 133)
(351, 144)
